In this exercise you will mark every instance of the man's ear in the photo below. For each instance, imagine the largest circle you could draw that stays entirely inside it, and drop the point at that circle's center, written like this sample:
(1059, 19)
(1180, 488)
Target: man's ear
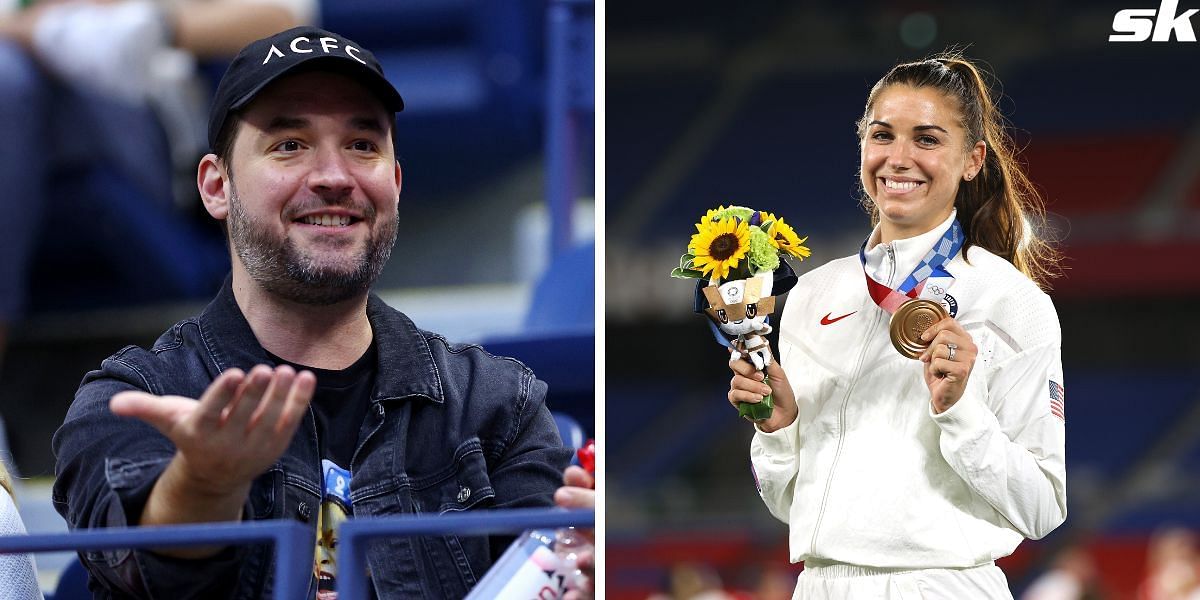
(214, 185)
(399, 182)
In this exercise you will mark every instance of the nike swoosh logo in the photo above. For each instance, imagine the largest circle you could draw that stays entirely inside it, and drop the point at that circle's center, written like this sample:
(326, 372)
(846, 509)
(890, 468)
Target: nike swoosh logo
(825, 320)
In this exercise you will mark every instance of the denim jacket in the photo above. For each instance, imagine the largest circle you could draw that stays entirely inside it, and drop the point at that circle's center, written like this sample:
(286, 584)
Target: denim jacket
(450, 428)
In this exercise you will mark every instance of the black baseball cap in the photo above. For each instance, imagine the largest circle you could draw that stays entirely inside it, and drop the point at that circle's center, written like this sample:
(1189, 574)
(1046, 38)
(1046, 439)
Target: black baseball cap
(301, 48)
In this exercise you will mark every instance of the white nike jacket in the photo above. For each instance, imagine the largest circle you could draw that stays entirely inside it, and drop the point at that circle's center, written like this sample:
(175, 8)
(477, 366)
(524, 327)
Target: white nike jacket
(868, 474)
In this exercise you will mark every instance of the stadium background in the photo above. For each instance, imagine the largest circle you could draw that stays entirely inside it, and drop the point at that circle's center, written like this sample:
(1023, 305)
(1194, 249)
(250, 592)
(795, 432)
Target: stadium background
(714, 103)
(473, 260)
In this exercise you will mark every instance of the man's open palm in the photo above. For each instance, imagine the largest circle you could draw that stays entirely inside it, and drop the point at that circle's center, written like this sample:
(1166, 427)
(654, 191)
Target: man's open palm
(235, 431)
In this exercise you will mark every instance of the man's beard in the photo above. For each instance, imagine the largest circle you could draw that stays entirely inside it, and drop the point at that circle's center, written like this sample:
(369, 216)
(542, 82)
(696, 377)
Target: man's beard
(284, 270)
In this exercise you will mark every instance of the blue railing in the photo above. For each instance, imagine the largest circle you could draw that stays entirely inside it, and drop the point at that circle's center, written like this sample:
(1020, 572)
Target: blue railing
(294, 542)
(354, 534)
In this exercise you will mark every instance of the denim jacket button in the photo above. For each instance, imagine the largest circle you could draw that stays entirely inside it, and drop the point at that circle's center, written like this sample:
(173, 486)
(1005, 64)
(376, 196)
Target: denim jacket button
(464, 492)
(304, 511)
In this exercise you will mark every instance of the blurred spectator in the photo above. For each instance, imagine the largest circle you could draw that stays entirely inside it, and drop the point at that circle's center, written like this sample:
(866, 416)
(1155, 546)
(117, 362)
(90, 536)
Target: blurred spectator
(776, 582)
(692, 581)
(1072, 577)
(18, 578)
(109, 83)
(1172, 567)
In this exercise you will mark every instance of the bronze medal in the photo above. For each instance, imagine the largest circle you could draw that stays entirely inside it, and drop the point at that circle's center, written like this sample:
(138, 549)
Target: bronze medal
(910, 321)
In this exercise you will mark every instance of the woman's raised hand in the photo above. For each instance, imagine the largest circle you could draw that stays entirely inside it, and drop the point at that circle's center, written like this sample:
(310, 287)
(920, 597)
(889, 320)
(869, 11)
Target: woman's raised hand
(948, 362)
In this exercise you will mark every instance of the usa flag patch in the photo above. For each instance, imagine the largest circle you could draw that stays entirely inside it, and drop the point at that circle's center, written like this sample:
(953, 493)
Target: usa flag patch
(1058, 405)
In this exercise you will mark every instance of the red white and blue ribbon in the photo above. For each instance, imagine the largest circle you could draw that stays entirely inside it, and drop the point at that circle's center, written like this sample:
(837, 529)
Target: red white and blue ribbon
(931, 267)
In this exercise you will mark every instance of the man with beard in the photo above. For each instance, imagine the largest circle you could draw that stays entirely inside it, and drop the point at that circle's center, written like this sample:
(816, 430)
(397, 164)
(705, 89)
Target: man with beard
(296, 393)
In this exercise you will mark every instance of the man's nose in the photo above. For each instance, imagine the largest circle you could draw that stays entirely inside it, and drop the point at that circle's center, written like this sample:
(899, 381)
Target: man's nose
(331, 173)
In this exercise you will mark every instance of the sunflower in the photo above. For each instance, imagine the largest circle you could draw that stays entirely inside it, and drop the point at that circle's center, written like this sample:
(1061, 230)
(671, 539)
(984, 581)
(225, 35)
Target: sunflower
(766, 217)
(719, 246)
(713, 214)
(785, 238)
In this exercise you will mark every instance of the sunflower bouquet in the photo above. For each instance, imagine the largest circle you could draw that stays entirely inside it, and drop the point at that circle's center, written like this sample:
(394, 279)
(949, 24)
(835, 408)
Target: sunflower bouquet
(737, 254)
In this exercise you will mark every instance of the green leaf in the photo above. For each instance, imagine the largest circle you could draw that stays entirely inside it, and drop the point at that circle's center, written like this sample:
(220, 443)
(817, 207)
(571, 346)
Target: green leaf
(686, 273)
(685, 261)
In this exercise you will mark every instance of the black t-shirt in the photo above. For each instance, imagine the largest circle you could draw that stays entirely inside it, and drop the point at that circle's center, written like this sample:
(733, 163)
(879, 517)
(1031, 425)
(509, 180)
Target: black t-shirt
(340, 405)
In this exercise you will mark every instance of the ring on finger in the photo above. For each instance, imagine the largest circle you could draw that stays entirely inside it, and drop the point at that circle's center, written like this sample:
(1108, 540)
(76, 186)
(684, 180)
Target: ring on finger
(952, 346)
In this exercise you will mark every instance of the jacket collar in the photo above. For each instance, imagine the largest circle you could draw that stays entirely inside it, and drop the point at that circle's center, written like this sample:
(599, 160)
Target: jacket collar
(908, 251)
(406, 366)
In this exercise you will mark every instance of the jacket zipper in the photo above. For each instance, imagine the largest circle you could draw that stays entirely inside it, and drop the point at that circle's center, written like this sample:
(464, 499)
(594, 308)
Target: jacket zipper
(862, 353)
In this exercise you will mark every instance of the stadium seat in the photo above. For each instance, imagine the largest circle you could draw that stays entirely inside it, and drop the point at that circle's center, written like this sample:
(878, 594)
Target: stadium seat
(569, 430)
(564, 298)
(72, 583)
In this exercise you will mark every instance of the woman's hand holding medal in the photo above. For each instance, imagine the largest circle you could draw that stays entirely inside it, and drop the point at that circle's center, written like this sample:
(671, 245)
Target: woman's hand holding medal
(948, 362)
(747, 386)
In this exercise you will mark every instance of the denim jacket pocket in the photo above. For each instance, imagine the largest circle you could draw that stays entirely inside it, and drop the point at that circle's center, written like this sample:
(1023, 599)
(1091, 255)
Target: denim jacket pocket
(267, 487)
(280, 493)
(301, 500)
(463, 485)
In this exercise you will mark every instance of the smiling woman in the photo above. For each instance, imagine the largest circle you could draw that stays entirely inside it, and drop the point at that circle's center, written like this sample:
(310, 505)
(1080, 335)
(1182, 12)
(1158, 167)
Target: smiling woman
(914, 154)
(897, 476)
(954, 127)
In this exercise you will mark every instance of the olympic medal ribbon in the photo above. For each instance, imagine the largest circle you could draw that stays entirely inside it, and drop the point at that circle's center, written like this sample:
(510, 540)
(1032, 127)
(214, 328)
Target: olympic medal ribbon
(931, 266)
(912, 316)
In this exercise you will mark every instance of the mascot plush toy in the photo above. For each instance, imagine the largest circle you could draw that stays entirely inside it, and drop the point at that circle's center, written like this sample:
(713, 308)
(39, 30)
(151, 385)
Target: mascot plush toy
(740, 308)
